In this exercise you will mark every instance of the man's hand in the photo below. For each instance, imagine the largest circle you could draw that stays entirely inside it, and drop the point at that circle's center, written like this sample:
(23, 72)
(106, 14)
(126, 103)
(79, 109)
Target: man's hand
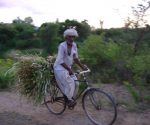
(84, 67)
(70, 72)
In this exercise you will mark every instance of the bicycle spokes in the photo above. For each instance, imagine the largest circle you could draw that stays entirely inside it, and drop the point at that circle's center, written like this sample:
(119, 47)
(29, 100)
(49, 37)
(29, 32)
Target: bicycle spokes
(54, 100)
(99, 107)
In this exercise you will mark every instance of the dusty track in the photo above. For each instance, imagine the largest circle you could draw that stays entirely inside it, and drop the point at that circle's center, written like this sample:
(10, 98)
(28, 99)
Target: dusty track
(16, 110)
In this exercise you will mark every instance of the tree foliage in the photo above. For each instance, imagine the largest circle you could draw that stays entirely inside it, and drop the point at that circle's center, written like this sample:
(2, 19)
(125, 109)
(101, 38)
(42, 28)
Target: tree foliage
(83, 28)
(7, 33)
(48, 33)
(139, 23)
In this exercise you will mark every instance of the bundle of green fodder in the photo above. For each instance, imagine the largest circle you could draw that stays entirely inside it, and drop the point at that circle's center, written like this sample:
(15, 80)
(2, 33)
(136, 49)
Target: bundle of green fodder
(33, 73)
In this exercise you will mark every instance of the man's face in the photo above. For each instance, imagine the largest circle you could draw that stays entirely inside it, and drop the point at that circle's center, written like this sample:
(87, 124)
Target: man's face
(70, 39)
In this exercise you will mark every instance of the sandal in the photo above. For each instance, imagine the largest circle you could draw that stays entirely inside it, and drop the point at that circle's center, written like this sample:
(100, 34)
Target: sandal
(71, 104)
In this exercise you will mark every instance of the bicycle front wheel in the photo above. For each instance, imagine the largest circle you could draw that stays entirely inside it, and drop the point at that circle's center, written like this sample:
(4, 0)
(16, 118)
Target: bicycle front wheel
(54, 99)
(99, 107)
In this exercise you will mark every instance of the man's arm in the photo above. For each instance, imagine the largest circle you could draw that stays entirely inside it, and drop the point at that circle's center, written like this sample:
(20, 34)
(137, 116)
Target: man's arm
(66, 67)
(77, 61)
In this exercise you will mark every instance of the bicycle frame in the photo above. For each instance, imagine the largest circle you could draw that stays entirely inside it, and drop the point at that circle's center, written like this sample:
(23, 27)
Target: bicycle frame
(84, 81)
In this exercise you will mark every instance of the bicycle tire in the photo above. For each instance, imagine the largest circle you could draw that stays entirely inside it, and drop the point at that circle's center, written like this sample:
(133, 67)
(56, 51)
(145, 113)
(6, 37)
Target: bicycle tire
(99, 107)
(54, 99)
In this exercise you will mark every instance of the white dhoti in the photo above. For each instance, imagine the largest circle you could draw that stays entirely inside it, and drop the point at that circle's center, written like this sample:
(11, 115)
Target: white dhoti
(66, 83)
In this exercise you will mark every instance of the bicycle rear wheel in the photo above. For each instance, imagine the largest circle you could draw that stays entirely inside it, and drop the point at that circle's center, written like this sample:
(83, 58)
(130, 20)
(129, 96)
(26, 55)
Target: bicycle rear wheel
(54, 99)
(99, 107)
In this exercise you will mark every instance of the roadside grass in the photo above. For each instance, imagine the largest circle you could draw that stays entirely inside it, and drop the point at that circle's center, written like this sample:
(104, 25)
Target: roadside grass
(6, 79)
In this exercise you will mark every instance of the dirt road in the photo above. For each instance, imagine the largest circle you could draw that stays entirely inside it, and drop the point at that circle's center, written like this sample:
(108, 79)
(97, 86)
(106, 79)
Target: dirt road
(16, 110)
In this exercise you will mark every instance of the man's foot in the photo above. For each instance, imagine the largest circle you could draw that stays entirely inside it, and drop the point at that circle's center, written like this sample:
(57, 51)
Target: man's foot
(71, 104)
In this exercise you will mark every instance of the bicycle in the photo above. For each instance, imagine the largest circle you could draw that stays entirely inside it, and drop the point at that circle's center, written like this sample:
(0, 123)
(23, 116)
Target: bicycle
(99, 106)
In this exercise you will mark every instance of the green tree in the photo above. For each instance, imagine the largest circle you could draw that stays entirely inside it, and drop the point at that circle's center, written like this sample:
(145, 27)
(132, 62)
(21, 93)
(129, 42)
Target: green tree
(48, 33)
(7, 34)
(139, 23)
(25, 33)
(83, 28)
(28, 20)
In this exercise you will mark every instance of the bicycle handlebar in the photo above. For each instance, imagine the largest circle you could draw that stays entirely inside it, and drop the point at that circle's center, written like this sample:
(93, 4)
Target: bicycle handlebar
(83, 72)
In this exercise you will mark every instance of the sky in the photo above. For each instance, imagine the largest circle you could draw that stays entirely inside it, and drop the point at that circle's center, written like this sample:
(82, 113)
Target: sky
(111, 12)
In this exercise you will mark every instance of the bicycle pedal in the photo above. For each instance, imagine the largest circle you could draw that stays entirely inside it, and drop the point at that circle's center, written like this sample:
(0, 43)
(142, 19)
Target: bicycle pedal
(71, 107)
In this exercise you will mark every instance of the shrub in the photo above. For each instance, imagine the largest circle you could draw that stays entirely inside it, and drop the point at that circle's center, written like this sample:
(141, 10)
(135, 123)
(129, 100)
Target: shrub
(140, 67)
(6, 79)
(101, 56)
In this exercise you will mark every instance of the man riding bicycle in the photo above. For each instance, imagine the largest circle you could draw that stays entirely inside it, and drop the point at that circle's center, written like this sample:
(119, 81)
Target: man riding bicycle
(66, 56)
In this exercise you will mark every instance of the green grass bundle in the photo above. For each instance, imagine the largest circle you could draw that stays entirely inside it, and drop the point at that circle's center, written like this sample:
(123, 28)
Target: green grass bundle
(33, 73)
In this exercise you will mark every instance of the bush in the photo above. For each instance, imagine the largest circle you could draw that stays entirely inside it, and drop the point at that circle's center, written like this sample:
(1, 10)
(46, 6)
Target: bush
(6, 79)
(101, 56)
(32, 51)
(140, 67)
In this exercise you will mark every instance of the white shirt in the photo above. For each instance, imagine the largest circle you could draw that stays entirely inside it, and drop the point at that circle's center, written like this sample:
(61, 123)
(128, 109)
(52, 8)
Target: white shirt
(63, 56)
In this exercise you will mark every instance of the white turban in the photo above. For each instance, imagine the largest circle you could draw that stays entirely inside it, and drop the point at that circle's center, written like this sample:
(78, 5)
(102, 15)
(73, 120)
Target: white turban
(70, 32)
